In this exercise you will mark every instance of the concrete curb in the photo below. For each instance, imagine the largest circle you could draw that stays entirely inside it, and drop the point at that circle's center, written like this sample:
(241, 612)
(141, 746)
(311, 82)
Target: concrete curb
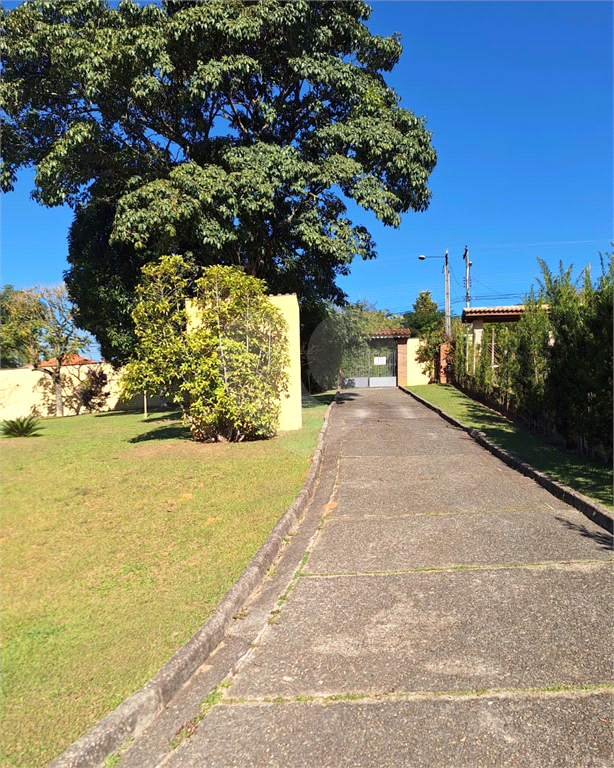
(138, 711)
(597, 512)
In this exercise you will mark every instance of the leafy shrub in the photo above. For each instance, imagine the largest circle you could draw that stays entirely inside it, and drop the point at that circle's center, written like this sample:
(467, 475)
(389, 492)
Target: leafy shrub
(23, 426)
(223, 362)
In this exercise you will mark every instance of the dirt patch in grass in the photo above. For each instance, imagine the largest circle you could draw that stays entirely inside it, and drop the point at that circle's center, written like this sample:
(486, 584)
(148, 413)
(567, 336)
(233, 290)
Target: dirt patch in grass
(115, 550)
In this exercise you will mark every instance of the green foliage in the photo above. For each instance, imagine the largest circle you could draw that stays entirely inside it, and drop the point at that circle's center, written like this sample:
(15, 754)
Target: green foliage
(39, 324)
(527, 364)
(428, 350)
(59, 336)
(231, 131)
(340, 339)
(22, 317)
(224, 365)
(425, 318)
(23, 426)
(427, 323)
(553, 367)
(591, 478)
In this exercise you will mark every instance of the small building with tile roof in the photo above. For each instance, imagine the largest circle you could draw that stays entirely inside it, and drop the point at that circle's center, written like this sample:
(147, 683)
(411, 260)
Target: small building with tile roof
(477, 316)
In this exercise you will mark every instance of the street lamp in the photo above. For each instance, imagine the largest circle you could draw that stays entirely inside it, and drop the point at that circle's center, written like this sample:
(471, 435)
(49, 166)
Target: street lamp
(446, 272)
(467, 278)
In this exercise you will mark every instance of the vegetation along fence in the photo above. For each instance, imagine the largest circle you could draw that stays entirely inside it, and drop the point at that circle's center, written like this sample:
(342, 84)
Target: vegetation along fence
(553, 370)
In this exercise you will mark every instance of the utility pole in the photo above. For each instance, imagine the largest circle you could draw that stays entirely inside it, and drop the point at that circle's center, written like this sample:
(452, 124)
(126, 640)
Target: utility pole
(467, 301)
(448, 320)
(446, 273)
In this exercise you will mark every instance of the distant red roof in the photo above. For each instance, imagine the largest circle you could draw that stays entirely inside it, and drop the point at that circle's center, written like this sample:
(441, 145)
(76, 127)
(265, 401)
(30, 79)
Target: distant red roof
(495, 314)
(68, 360)
(392, 333)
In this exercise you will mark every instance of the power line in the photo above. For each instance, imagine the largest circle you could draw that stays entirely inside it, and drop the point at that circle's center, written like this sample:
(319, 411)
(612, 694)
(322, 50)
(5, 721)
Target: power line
(496, 293)
(531, 245)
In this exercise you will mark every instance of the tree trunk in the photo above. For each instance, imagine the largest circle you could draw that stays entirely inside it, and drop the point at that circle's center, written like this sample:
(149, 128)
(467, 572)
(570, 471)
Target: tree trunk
(59, 405)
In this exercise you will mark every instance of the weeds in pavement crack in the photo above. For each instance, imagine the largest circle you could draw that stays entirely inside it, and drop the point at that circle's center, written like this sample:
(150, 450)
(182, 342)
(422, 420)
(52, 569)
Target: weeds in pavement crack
(297, 573)
(190, 727)
(115, 757)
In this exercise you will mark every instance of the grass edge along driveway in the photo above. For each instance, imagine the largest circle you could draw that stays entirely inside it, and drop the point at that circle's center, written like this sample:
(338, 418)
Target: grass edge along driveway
(592, 478)
(119, 537)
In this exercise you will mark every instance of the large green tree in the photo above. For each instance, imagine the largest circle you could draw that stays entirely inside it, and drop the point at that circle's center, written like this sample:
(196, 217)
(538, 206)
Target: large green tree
(231, 132)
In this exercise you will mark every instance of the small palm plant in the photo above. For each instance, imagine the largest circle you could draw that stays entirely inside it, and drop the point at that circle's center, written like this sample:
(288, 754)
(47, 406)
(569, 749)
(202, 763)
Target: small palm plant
(23, 426)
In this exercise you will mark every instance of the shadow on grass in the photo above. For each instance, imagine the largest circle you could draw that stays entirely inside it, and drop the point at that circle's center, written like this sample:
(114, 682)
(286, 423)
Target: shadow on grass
(172, 432)
(314, 401)
(165, 413)
(603, 539)
(592, 478)
(164, 416)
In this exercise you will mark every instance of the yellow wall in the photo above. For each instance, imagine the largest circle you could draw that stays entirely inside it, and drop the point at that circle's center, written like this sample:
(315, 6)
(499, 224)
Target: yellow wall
(415, 374)
(27, 392)
(291, 416)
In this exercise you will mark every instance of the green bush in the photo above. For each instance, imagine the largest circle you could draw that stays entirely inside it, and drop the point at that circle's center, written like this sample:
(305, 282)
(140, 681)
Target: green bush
(23, 426)
(224, 365)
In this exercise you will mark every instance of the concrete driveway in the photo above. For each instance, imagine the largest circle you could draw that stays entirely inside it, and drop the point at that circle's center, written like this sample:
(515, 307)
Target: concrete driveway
(435, 608)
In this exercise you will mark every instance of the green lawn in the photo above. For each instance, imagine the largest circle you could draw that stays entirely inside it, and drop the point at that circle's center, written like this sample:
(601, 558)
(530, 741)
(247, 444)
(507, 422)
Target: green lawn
(119, 536)
(592, 478)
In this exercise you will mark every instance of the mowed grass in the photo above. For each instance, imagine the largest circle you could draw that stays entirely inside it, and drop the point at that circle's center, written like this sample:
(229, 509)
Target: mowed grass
(592, 478)
(119, 536)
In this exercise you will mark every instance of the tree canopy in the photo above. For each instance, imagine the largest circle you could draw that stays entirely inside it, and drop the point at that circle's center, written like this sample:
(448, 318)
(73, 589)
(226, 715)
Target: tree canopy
(22, 316)
(231, 132)
(38, 325)
(425, 316)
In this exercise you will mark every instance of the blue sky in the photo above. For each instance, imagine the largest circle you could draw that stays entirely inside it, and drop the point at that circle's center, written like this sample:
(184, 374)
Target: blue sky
(518, 97)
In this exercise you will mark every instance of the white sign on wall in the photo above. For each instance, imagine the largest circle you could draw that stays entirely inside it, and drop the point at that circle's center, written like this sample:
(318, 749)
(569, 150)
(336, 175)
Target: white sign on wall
(379, 361)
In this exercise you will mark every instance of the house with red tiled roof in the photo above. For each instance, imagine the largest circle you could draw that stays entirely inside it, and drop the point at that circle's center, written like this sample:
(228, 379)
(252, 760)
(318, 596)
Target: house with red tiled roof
(477, 316)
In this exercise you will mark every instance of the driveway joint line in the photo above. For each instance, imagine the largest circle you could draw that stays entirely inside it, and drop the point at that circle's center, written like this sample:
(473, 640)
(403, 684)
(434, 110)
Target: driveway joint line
(478, 693)
(448, 568)
(513, 510)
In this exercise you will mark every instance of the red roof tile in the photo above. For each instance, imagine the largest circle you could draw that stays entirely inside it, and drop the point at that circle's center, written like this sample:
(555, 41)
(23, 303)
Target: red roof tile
(392, 333)
(495, 314)
(68, 360)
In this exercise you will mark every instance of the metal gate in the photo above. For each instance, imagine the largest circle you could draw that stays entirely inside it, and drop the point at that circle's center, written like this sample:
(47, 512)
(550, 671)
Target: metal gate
(374, 366)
